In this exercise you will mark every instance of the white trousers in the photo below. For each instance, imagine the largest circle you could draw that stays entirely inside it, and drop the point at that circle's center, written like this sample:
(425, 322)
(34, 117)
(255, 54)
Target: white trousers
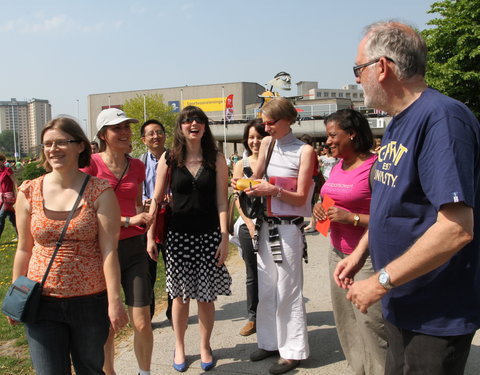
(281, 317)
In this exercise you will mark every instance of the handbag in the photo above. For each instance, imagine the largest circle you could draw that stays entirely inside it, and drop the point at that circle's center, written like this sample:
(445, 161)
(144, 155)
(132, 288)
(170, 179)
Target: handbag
(253, 207)
(231, 212)
(22, 300)
(164, 211)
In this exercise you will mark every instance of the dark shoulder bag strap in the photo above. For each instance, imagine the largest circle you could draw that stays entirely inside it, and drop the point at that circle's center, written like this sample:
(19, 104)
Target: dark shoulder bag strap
(64, 230)
(269, 155)
(123, 174)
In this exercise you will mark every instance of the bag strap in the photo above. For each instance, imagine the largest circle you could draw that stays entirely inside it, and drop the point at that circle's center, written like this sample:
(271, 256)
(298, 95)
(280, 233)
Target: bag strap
(168, 160)
(123, 174)
(269, 155)
(64, 230)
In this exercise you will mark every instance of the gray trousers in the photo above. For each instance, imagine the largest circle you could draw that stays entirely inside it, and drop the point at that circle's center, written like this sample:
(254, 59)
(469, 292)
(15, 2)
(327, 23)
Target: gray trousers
(362, 336)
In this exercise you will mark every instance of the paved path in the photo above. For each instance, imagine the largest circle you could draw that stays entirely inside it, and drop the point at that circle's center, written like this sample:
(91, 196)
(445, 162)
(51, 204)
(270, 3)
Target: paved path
(232, 350)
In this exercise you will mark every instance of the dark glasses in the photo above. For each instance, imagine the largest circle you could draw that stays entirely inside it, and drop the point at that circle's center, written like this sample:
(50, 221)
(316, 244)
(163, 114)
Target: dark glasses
(357, 69)
(190, 120)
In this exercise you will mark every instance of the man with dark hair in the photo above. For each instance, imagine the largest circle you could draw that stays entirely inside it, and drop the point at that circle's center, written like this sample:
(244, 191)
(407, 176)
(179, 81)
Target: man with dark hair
(153, 136)
(424, 229)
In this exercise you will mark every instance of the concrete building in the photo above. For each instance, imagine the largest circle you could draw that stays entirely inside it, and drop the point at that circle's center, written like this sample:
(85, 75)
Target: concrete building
(310, 90)
(27, 119)
(315, 104)
(208, 97)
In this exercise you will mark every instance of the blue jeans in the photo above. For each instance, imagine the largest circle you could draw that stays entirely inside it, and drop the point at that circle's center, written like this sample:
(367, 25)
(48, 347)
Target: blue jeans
(75, 328)
(3, 217)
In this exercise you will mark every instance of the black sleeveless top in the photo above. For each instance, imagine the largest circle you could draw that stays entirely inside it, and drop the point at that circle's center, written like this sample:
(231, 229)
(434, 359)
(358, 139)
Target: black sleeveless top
(194, 201)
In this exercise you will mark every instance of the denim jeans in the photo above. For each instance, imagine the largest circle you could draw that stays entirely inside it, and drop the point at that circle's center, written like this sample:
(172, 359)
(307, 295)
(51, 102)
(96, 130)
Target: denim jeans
(3, 217)
(75, 328)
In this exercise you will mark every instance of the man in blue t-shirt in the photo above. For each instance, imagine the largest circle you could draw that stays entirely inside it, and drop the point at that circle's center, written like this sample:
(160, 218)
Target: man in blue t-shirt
(424, 230)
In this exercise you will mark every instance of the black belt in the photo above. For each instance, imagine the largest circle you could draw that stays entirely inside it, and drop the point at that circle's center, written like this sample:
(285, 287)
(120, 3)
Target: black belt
(297, 220)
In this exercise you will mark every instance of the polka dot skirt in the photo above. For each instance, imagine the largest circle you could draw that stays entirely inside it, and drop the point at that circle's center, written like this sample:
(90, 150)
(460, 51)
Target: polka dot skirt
(191, 268)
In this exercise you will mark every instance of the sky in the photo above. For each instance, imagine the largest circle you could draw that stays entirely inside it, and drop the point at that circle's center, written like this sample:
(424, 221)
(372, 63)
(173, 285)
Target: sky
(63, 51)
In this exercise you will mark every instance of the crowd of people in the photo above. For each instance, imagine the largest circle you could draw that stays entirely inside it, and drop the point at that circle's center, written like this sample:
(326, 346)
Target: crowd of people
(404, 228)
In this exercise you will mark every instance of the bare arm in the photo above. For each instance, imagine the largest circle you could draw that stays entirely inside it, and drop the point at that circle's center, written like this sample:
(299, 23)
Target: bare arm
(108, 214)
(449, 234)
(160, 186)
(25, 238)
(222, 206)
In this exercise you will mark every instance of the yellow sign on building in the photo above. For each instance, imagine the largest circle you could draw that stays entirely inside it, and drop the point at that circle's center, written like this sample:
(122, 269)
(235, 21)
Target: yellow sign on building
(207, 105)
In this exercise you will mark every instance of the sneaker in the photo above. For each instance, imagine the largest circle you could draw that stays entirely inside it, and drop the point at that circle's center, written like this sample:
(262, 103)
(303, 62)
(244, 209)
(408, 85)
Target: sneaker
(260, 354)
(283, 366)
(248, 329)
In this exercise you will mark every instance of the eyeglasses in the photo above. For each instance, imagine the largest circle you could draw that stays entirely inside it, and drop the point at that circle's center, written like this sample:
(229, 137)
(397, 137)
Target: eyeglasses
(151, 134)
(60, 143)
(357, 68)
(269, 123)
(190, 120)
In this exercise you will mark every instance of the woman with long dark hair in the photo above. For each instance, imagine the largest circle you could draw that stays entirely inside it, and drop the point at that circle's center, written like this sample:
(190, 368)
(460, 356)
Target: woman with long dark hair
(197, 236)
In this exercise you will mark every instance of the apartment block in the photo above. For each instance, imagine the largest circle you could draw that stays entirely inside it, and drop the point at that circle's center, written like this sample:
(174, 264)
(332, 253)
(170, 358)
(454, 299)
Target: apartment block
(27, 119)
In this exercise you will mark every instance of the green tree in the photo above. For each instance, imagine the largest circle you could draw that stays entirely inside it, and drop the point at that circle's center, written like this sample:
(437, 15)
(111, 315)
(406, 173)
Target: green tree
(6, 142)
(31, 171)
(155, 109)
(454, 50)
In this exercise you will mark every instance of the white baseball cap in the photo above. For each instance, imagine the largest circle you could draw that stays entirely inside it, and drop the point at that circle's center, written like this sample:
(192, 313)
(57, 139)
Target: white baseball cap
(112, 116)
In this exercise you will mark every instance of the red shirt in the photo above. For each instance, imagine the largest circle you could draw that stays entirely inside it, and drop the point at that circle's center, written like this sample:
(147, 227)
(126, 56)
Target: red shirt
(6, 183)
(126, 191)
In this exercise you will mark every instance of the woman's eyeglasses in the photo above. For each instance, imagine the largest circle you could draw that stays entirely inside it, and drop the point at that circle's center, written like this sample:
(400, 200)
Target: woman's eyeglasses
(269, 123)
(60, 143)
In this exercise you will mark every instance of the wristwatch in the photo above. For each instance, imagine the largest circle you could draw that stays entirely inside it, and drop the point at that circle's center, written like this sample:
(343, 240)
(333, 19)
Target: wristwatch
(384, 279)
(356, 219)
(127, 222)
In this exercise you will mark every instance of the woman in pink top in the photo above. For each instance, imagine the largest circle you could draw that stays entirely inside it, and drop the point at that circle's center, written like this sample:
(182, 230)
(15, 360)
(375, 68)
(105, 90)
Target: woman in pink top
(361, 335)
(75, 310)
(126, 176)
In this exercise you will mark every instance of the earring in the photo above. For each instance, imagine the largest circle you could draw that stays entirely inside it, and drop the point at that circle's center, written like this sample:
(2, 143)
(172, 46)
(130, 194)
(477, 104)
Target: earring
(351, 138)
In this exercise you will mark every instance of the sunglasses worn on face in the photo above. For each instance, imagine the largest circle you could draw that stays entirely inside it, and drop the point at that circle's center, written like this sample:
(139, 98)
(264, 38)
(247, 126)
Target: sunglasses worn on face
(357, 69)
(190, 120)
(61, 143)
(269, 123)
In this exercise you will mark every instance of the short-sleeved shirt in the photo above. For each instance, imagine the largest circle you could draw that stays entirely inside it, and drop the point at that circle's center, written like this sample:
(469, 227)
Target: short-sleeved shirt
(351, 191)
(126, 190)
(430, 156)
(77, 269)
